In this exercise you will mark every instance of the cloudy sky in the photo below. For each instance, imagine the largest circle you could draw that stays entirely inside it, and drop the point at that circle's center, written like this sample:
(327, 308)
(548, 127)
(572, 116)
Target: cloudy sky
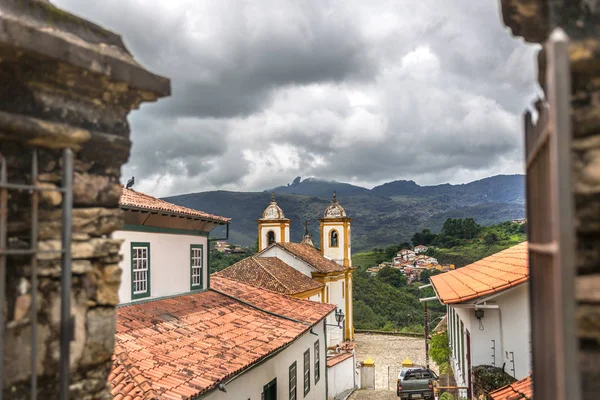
(349, 90)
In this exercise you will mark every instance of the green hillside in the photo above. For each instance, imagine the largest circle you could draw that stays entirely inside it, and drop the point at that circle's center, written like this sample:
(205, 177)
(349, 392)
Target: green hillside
(382, 216)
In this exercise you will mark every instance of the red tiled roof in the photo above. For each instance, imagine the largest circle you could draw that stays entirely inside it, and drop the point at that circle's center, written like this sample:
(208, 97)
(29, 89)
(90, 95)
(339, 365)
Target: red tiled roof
(131, 198)
(521, 389)
(338, 358)
(298, 309)
(490, 275)
(311, 256)
(180, 347)
(270, 273)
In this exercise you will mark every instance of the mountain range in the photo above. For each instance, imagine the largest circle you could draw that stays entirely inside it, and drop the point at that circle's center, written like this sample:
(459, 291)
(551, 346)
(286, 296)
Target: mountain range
(384, 215)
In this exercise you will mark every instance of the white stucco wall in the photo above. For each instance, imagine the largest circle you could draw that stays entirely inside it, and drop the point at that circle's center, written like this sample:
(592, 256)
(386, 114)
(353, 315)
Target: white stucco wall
(276, 228)
(508, 326)
(341, 377)
(516, 330)
(334, 253)
(289, 259)
(250, 384)
(169, 262)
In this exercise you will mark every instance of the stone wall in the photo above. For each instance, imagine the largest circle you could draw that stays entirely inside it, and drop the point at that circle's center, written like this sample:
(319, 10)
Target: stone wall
(533, 20)
(65, 83)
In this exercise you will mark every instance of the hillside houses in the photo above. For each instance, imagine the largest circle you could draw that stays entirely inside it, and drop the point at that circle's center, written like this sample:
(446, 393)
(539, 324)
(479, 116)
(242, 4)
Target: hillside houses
(412, 264)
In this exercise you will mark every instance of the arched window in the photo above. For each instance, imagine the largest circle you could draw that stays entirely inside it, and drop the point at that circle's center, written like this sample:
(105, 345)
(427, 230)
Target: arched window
(333, 242)
(270, 237)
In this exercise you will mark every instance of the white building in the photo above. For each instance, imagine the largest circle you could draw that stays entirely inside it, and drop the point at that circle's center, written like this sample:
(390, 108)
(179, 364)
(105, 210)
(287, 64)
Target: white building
(181, 334)
(488, 314)
(331, 266)
(165, 247)
(421, 249)
(406, 254)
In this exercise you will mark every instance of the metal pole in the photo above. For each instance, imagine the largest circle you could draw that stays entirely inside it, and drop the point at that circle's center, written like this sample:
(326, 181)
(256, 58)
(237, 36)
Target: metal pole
(3, 222)
(426, 336)
(66, 325)
(34, 274)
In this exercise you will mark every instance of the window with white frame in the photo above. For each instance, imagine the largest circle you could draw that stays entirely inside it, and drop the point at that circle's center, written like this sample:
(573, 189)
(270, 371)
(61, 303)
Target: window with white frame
(140, 270)
(196, 265)
(317, 362)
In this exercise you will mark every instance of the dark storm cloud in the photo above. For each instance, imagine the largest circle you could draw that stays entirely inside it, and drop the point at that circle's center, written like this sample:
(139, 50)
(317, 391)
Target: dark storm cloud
(350, 90)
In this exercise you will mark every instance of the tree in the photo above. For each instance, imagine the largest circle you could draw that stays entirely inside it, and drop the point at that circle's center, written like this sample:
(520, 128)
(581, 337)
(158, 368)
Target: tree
(424, 237)
(404, 245)
(490, 238)
(392, 277)
(428, 273)
(439, 351)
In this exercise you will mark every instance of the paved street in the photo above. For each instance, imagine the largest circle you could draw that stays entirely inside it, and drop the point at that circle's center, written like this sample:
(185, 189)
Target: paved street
(373, 395)
(388, 351)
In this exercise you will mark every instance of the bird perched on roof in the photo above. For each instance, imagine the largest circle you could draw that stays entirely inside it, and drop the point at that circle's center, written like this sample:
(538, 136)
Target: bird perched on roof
(130, 183)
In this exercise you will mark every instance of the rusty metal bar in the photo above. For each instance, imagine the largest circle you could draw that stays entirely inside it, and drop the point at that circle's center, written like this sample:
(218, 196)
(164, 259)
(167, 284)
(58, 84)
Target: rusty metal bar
(34, 274)
(66, 320)
(3, 245)
(28, 252)
(544, 248)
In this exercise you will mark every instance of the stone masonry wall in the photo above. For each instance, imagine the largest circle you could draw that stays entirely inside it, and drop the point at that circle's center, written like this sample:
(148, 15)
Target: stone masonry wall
(580, 19)
(65, 83)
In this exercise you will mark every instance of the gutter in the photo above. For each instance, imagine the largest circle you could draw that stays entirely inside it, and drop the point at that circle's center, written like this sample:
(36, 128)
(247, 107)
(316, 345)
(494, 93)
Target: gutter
(176, 214)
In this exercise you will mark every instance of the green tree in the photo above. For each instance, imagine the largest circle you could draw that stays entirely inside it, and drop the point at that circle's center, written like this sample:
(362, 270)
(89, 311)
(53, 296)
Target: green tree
(490, 237)
(364, 316)
(439, 351)
(392, 277)
(428, 273)
(424, 237)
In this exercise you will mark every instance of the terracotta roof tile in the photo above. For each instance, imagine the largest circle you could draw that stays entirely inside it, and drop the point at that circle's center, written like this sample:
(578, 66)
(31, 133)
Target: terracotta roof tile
(180, 347)
(270, 273)
(311, 256)
(490, 275)
(338, 358)
(521, 389)
(272, 301)
(131, 198)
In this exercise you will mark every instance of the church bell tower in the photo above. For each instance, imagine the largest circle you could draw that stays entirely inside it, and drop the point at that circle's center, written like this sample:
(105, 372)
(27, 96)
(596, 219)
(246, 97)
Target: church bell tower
(273, 226)
(335, 234)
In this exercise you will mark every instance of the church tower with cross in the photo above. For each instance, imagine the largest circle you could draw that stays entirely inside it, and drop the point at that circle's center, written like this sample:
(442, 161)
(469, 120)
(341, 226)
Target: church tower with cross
(335, 234)
(273, 227)
(302, 269)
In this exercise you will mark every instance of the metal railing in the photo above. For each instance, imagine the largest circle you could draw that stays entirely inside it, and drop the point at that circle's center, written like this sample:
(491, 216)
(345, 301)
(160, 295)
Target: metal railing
(66, 319)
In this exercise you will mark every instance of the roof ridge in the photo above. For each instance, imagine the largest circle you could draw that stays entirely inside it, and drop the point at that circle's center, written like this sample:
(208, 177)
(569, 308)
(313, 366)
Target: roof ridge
(255, 259)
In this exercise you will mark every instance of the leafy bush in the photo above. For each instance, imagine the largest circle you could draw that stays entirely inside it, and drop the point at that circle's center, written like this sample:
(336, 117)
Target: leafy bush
(439, 351)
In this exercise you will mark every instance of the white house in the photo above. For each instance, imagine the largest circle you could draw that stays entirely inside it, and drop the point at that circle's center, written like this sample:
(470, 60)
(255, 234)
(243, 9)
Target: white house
(421, 249)
(232, 341)
(488, 314)
(406, 254)
(181, 334)
(165, 247)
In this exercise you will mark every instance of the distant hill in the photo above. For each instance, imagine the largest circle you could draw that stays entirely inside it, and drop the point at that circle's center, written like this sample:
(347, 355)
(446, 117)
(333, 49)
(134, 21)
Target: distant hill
(387, 214)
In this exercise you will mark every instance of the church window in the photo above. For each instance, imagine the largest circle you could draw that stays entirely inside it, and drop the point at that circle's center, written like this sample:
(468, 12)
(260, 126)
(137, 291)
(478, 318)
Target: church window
(334, 238)
(270, 237)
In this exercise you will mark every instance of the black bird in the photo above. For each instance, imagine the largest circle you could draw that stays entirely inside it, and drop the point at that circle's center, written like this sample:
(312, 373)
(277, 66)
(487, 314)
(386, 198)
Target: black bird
(130, 183)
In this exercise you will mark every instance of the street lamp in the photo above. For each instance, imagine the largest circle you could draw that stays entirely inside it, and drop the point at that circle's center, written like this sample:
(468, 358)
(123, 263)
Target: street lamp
(339, 318)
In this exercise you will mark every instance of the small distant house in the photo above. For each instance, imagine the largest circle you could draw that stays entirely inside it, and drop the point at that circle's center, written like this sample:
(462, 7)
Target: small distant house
(421, 249)
(488, 314)
(406, 254)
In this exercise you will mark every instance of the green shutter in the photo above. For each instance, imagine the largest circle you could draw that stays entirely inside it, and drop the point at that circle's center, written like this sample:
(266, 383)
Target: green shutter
(146, 293)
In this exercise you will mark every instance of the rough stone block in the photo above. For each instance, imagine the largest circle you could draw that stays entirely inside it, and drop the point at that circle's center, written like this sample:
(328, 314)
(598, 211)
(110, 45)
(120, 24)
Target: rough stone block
(101, 326)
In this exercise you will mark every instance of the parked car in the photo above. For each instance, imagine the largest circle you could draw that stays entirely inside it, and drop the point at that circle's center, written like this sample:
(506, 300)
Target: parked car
(416, 383)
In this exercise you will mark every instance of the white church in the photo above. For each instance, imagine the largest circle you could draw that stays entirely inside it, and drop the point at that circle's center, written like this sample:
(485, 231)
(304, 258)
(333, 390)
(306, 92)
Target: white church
(300, 269)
